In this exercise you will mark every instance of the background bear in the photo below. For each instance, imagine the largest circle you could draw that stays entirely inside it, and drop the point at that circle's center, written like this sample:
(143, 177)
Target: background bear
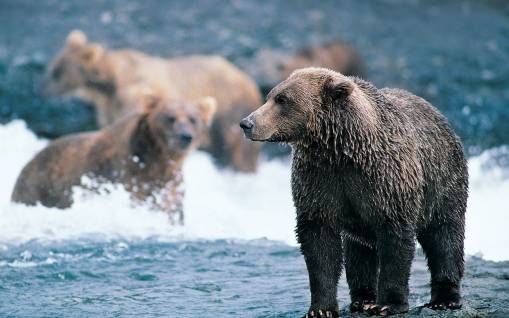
(110, 80)
(336, 56)
(273, 66)
(144, 152)
(373, 169)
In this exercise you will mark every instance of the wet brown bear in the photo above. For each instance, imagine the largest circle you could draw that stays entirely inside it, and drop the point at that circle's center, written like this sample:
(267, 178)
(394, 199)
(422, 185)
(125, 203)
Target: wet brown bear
(372, 170)
(109, 79)
(144, 152)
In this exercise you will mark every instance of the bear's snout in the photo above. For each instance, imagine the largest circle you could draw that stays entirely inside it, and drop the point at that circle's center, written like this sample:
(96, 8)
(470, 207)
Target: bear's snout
(247, 125)
(185, 139)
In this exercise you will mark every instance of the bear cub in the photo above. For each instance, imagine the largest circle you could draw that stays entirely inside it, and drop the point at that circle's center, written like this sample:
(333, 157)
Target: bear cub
(373, 170)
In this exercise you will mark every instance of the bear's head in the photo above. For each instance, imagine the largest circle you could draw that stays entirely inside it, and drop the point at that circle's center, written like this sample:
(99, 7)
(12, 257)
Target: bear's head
(301, 106)
(175, 126)
(78, 66)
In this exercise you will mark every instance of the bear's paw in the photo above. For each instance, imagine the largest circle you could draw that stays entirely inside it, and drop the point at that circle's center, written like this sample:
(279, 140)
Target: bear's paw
(444, 305)
(319, 313)
(384, 310)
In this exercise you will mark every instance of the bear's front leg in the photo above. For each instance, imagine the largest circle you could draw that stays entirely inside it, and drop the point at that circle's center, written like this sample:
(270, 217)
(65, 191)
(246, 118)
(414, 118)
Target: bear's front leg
(395, 248)
(321, 247)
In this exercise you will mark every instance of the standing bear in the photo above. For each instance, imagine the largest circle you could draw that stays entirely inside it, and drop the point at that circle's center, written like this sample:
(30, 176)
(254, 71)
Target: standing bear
(144, 152)
(110, 79)
(373, 170)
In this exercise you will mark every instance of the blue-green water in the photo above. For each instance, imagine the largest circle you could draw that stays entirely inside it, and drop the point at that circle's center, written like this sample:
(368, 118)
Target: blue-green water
(219, 278)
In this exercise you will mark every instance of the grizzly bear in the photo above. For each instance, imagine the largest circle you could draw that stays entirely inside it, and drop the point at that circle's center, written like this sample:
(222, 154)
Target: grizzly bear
(373, 170)
(340, 57)
(143, 152)
(109, 79)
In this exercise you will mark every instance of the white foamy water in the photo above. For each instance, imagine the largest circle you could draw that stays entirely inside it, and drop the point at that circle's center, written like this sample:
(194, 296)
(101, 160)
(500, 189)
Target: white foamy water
(218, 204)
(487, 231)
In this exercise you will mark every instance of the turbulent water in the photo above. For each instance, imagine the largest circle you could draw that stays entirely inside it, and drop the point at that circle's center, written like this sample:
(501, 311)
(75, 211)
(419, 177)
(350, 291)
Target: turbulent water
(237, 254)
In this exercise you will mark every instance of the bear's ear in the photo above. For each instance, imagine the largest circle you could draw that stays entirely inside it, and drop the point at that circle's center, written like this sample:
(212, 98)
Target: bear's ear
(76, 38)
(149, 100)
(92, 54)
(338, 89)
(208, 107)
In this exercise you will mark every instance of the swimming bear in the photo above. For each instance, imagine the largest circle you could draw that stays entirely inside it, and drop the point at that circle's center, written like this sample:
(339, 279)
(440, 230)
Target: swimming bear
(144, 152)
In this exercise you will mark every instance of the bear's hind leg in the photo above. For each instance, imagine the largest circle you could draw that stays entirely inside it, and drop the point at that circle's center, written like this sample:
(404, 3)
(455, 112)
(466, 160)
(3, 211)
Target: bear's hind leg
(321, 247)
(361, 273)
(443, 245)
(395, 250)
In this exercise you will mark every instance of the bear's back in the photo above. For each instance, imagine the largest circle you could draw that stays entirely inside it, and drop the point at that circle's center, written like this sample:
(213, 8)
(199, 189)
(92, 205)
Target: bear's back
(439, 149)
(48, 177)
(428, 122)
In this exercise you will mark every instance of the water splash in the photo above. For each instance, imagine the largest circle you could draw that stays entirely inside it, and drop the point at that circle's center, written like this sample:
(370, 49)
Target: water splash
(218, 204)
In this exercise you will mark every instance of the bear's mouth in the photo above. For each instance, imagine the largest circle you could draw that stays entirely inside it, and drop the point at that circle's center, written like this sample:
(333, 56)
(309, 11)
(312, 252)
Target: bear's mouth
(258, 139)
(268, 139)
(249, 135)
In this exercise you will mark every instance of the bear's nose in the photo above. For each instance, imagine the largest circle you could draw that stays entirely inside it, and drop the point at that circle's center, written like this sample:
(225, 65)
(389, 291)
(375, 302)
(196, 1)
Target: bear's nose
(246, 123)
(185, 139)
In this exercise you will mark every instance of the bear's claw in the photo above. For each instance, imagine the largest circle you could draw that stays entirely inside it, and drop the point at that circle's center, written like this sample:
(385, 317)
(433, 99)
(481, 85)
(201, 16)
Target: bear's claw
(358, 306)
(443, 305)
(372, 309)
(322, 314)
(384, 310)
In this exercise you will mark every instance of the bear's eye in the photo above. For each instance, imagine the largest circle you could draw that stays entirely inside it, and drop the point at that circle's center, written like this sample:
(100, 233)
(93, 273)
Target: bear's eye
(281, 99)
(192, 120)
(169, 120)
